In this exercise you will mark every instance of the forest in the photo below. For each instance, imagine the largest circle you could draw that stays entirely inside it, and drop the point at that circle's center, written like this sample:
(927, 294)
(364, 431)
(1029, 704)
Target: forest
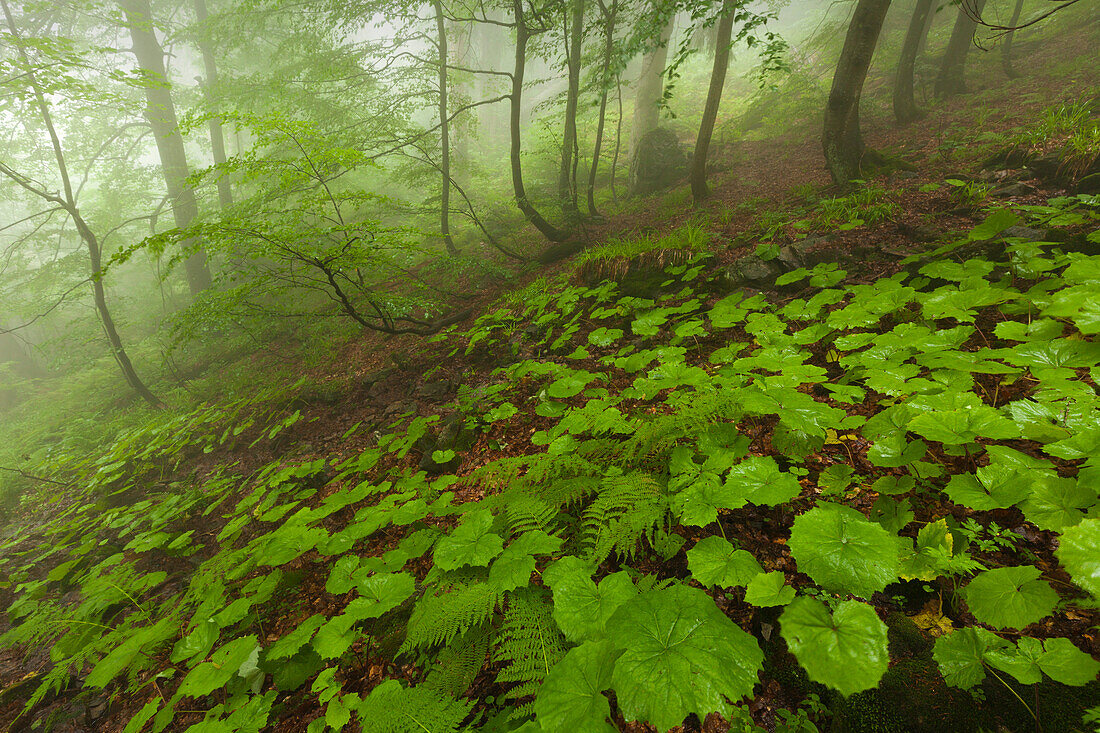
(547, 366)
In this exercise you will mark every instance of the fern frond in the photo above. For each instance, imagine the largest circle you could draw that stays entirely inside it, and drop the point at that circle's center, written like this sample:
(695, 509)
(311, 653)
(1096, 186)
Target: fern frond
(459, 662)
(439, 617)
(391, 708)
(626, 507)
(529, 644)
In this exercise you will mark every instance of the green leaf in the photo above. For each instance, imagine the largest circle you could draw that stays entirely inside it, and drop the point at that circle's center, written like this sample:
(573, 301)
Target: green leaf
(223, 665)
(701, 498)
(715, 562)
(845, 650)
(769, 589)
(1058, 503)
(571, 697)
(1079, 552)
(514, 566)
(843, 551)
(580, 608)
(931, 551)
(960, 655)
(570, 385)
(993, 225)
(381, 593)
(471, 544)
(1010, 597)
(759, 480)
(1063, 662)
(119, 658)
(681, 655)
(964, 424)
(604, 336)
(289, 645)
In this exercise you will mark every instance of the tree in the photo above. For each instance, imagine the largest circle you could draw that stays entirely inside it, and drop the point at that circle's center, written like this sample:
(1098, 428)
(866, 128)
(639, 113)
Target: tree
(609, 15)
(952, 76)
(214, 123)
(444, 132)
(699, 190)
(841, 140)
(160, 111)
(66, 199)
(1006, 50)
(567, 185)
(905, 106)
(651, 78)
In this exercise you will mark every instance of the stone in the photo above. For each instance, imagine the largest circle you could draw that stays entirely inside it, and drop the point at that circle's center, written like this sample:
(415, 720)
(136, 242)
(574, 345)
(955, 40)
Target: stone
(750, 270)
(659, 162)
(400, 407)
(453, 434)
(799, 254)
(1047, 167)
(1089, 184)
(434, 391)
(1013, 190)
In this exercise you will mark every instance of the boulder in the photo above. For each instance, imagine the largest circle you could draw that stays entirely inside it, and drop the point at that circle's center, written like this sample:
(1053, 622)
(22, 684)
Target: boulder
(750, 270)
(659, 162)
(1089, 184)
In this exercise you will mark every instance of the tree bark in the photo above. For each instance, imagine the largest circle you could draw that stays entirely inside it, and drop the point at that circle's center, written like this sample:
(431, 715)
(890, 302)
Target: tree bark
(217, 136)
(952, 77)
(444, 133)
(161, 113)
(651, 87)
(841, 139)
(67, 200)
(1006, 51)
(609, 17)
(699, 189)
(523, 35)
(905, 106)
(567, 184)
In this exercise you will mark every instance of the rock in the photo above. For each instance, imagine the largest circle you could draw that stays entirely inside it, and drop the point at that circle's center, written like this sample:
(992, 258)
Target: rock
(1089, 184)
(434, 391)
(370, 379)
(799, 254)
(1048, 167)
(400, 407)
(454, 435)
(659, 162)
(750, 270)
(1007, 159)
(1013, 190)
(1027, 233)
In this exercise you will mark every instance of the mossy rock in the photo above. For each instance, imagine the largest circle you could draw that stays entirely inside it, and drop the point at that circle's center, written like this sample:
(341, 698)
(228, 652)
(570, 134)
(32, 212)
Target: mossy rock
(905, 637)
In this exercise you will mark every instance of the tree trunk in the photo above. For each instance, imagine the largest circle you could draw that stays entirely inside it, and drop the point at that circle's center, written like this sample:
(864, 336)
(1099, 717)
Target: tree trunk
(651, 87)
(1006, 52)
(67, 200)
(609, 15)
(952, 77)
(161, 113)
(841, 139)
(444, 133)
(516, 108)
(217, 137)
(699, 190)
(567, 185)
(905, 106)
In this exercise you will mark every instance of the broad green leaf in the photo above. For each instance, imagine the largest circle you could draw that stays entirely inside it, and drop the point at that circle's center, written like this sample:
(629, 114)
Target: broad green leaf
(342, 578)
(223, 665)
(472, 543)
(759, 480)
(582, 609)
(994, 224)
(1021, 662)
(769, 589)
(681, 655)
(1010, 597)
(715, 562)
(381, 593)
(701, 498)
(843, 551)
(964, 425)
(140, 641)
(571, 697)
(1079, 552)
(289, 645)
(513, 568)
(960, 655)
(1058, 503)
(845, 650)
(604, 336)
(1063, 662)
(931, 551)
(569, 385)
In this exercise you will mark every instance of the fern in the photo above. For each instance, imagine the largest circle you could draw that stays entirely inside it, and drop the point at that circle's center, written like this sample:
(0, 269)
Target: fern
(460, 661)
(529, 645)
(624, 510)
(391, 708)
(450, 611)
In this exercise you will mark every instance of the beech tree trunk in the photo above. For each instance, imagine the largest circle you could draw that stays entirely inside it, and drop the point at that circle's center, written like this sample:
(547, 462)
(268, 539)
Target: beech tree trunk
(841, 139)
(609, 16)
(905, 106)
(217, 136)
(161, 113)
(67, 200)
(699, 189)
(567, 185)
(651, 87)
(952, 77)
(444, 133)
(1006, 51)
(523, 34)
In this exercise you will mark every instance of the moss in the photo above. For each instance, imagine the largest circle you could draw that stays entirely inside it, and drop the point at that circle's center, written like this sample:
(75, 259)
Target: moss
(1059, 706)
(905, 637)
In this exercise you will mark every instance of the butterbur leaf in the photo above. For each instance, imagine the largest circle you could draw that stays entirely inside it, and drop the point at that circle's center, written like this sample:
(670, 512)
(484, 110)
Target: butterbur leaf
(1010, 597)
(342, 578)
(1063, 662)
(843, 551)
(223, 665)
(1058, 503)
(931, 551)
(715, 562)
(960, 655)
(769, 589)
(581, 609)
(471, 544)
(699, 501)
(845, 650)
(381, 593)
(571, 697)
(964, 425)
(681, 655)
(1021, 662)
(514, 566)
(1079, 552)
(759, 480)
(289, 645)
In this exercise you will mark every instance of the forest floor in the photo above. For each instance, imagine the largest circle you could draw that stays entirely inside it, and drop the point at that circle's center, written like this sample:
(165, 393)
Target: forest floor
(377, 380)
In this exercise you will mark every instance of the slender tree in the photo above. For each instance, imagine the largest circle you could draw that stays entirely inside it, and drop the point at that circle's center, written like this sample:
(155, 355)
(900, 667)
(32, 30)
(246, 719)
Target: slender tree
(1006, 50)
(210, 83)
(609, 15)
(699, 189)
(66, 199)
(905, 106)
(160, 111)
(952, 76)
(841, 139)
(567, 187)
(444, 132)
(651, 83)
